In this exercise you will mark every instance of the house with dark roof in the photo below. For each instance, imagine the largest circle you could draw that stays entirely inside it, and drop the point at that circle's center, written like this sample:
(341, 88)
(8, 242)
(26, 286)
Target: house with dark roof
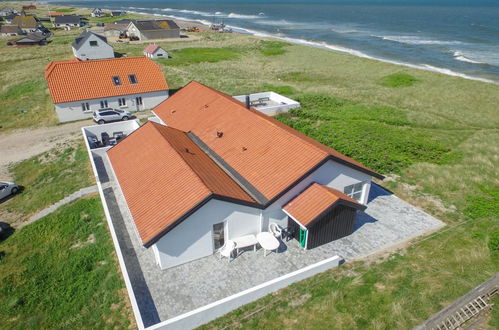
(67, 21)
(118, 13)
(97, 12)
(153, 29)
(91, 46)
(32, 39)
(78, 88)
(155, 51)
(10, 30)
(7, 11)
(212, 170)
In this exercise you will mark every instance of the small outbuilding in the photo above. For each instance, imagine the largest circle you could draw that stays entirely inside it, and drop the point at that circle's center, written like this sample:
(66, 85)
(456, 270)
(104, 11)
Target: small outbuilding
(91, 46)
(155, 51)
(118, 13)
(321, 214)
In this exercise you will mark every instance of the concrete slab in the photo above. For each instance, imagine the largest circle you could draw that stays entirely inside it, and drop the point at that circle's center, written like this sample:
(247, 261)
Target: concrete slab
(162, 295)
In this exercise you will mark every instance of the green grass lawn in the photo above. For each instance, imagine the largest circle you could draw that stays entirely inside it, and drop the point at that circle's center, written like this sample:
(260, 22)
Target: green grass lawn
(61, 273)
(189, 56)
(48, 178)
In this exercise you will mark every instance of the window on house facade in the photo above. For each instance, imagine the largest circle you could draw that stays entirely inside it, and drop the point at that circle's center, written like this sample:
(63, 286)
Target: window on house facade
(85, 106)
(138, 100)
(103, 104)
(354, 190)
(116, 80)
(133, 78)
(93, 43)
(122, 102)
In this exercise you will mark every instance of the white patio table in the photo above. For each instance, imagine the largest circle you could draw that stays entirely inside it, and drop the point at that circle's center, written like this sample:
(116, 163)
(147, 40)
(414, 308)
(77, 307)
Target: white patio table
(267, 241)
(245, 241)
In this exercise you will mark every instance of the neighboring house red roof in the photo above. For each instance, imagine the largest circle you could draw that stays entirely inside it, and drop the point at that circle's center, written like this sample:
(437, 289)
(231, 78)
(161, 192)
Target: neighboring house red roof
(57, 14)
(151, 49)
(164, 175)
(315, 201)
(83, 80)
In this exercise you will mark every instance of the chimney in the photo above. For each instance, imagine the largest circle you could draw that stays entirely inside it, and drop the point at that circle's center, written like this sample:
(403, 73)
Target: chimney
(247, 102)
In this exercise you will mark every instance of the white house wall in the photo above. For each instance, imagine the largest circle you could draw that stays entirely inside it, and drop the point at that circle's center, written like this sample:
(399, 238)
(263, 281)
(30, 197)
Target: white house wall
(192, 238)
(70, 111)
(87, 52)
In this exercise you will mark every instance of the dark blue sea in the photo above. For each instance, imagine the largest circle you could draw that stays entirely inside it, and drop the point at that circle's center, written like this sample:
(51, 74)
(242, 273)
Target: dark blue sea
(458, 37)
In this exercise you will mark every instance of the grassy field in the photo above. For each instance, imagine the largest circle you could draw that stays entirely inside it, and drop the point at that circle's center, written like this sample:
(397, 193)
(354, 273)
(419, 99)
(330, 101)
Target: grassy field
(61, 273)
(50, 177)
(436, 137)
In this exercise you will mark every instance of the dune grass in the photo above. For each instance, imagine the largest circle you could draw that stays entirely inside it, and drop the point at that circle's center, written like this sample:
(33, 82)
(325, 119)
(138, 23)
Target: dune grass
(49, 177)
(61, 272)
(272, 47)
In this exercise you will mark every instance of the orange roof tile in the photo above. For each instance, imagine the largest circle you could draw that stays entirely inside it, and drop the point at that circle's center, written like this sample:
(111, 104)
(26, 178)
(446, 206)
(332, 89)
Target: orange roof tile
(83, 80)
(314, 201)
(268, 154)
(164, 176)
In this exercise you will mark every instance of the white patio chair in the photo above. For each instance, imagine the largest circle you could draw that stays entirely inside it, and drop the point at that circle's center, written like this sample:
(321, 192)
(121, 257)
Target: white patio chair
(227, 249)
(275, 230)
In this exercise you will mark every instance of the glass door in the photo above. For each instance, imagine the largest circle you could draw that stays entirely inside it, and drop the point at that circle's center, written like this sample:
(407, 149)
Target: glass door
(218, 235)
(303, 237)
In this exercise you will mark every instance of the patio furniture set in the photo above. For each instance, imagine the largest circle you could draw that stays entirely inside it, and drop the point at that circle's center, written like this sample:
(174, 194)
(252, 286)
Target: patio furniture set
(268, 240)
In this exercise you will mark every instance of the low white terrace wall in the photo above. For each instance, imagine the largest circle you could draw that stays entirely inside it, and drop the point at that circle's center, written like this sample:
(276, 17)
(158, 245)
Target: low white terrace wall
(95, 131)
(277, 104)
(214, 310)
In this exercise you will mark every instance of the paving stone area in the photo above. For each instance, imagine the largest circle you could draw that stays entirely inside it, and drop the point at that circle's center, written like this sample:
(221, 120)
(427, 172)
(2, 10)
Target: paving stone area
(66, 200)
(164, 294)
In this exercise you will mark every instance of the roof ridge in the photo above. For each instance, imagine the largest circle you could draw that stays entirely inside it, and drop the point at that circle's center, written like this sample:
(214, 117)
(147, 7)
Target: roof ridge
(157, 127)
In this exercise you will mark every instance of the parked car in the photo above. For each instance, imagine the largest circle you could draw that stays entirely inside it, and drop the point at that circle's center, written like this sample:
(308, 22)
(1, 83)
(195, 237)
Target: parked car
(8, 188)
(107, 115)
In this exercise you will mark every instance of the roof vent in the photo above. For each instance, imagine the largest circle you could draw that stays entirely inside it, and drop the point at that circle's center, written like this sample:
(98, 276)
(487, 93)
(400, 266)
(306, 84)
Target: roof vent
(187, 150)
(220, 134)
(173, 111)
(244, 148)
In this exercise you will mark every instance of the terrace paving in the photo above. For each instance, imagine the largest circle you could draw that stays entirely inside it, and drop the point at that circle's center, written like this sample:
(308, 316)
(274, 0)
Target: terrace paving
(163, 294)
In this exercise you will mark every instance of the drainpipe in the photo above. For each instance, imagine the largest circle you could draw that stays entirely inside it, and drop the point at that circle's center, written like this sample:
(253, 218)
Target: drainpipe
(247, 102)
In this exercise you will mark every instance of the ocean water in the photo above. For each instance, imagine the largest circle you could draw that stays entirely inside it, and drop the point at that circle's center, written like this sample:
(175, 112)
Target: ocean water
(458, 37)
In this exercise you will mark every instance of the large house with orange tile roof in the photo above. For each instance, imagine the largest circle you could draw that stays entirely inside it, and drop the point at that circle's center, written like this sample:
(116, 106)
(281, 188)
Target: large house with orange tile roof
(78, 88)
(213, 170)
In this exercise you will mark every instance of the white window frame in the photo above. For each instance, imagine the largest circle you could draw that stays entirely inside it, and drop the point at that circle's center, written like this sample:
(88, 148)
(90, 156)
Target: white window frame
(104, 104)
(355, 191)
(224, 223)
(122, 102)
(85, 106)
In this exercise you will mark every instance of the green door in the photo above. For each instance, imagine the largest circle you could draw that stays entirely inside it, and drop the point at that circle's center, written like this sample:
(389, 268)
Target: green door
(303, 237)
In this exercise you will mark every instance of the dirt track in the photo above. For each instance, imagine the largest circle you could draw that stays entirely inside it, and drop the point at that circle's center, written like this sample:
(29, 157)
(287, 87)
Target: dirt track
(18, 145)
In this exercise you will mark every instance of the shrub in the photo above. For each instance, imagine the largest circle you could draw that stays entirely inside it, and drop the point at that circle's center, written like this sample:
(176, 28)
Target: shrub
(398, 80)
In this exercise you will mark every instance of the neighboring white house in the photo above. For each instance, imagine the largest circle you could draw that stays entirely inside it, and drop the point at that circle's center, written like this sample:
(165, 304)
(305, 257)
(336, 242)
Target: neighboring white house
(78, 88)
(91, 46)
(97, 12)
(213, 170)
(155, 51)
(67, 21)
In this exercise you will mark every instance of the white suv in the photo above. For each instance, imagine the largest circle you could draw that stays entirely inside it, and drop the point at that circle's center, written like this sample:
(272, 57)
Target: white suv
(107, 115)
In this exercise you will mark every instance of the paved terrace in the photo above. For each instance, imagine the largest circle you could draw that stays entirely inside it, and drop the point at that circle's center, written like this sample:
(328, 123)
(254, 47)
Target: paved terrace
(164, 294)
